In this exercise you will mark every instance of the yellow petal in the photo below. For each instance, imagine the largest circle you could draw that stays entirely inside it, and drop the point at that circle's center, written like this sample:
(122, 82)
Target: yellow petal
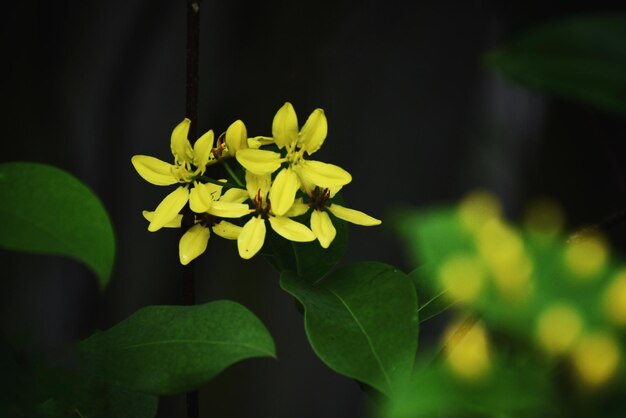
(193, 243)
(314, 131)
(180, 145)
(228, 209)
(291, 230)
(353, 216)
(174, 223)
(235, 195)
(236, 137)
(323, 228)
(285, 126)
(154, 170)
(251, 238)
(298, 208)
(283, 191)
(202, 150)
(323, 174)
(258, 185)
(259, 161)
(199, 202)
(214, 190)
(227, 230)
(259, 141)
(169, 208)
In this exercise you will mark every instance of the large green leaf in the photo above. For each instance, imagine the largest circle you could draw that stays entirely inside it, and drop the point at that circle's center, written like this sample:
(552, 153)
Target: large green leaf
(165, 350)
(361, 320)
(582, 57)
(45, 210)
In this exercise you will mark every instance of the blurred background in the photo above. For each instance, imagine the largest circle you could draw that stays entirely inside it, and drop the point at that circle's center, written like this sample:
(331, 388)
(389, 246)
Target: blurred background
(413, 114)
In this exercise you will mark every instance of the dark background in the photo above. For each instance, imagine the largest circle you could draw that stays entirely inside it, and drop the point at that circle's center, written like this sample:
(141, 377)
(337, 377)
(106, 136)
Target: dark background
(413, 115)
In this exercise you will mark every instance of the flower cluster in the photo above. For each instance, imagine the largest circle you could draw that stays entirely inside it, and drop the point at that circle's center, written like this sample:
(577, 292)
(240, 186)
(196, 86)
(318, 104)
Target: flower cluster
(280, 184)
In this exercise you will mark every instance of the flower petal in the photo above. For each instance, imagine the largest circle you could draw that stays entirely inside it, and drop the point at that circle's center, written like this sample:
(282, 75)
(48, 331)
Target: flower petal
(258, 185)
(199, 199)
(353, 216)
(259, 161)
(251, 238)
(229, 209)
(298, 208)
(202, 150)
(259, 141)
(180, 145)
(227, 230)
(193, 243)
(174, 223)
(235, 195)
(169, 208)
(291, 230)
(236, 137)
(324, 174)
(323, 228)
(314, 131)
(154, 170)
(285, 126)
(283, 191)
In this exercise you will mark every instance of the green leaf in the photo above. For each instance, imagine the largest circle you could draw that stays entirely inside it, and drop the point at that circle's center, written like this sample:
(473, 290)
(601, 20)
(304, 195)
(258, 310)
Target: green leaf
(164, 350)
(582, 58)
(431, 300)
(361, 321)
(45, 210)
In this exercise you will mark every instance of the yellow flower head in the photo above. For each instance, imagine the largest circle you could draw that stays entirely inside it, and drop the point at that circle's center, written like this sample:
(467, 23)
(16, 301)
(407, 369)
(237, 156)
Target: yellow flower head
(298, 172)
(253, 233)
(188, 163)
(210, 206)
(321, 224)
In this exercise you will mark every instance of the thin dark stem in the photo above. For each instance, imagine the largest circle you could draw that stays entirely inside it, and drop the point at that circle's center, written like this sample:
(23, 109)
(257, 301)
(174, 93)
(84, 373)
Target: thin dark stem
(191, 111)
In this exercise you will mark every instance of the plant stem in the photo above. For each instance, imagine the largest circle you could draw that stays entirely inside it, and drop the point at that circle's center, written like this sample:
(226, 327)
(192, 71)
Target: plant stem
(191, 111)
(232, 174)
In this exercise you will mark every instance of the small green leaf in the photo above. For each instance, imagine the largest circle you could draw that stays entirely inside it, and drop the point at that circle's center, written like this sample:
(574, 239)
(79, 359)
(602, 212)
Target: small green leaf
(45, 210)
(582, 57)
(361, 321)
(431, 300)
(164, 350)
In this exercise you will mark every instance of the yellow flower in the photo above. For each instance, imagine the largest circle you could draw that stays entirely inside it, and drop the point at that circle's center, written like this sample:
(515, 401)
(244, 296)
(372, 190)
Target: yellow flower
(252, 235)
(210, 206)
(299, 171)
(188, 163)
(321, 224)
